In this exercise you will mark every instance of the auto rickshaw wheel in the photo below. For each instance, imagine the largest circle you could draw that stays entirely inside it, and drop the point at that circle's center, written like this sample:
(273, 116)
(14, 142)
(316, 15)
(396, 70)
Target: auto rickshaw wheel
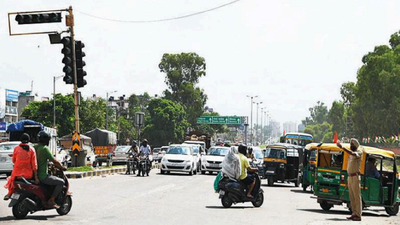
(325, 205)
(304, 187)
(392, 211)
(270, 181)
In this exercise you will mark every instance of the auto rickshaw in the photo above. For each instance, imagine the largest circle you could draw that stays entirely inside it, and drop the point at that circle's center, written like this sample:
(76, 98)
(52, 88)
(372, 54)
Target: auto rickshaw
(309, 166)
(330, 186)
(283, 162)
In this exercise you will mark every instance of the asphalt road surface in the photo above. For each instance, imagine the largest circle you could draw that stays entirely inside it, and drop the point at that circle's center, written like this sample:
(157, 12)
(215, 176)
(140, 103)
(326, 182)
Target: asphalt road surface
(182, 199)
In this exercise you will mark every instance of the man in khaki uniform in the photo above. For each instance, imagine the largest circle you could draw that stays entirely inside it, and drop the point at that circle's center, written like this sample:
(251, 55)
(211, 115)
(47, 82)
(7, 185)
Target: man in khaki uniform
(353, 179)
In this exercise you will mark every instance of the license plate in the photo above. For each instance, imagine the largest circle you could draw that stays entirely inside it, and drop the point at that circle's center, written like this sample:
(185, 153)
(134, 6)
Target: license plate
(221, 192)
(15, 196)
(214, 165)
(175, 164)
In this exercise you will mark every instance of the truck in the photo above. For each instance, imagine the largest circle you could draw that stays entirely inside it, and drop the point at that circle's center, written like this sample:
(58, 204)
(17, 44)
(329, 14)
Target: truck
(199, 136)
(104, 144)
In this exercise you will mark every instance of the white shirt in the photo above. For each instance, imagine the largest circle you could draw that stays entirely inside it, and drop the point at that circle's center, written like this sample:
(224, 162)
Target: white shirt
(145, 150)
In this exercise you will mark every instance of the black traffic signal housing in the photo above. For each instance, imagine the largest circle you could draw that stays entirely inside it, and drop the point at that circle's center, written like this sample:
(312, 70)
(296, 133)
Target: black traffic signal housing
(67, 60)
(80, 63)
(76, 143)
(30, 18)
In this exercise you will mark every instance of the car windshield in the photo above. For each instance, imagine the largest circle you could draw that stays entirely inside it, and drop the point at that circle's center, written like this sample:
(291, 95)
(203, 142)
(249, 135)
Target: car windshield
(122, 148)
(258, 154)
(156, 150)
(218, 151)
(398, 164)
(7, 147)
(275, 153)
(196, 149)
(179, 150)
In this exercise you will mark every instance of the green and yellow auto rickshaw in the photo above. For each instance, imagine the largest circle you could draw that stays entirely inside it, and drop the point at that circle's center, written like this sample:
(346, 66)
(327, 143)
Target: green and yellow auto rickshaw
(309, 166)
(330, 186)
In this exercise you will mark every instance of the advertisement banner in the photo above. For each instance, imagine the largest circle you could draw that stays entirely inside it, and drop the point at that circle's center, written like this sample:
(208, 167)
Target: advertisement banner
(2, 103)
(11, 95)
(3, 126)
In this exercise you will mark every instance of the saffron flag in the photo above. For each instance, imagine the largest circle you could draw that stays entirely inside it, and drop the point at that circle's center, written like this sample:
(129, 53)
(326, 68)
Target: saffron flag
(335, 138)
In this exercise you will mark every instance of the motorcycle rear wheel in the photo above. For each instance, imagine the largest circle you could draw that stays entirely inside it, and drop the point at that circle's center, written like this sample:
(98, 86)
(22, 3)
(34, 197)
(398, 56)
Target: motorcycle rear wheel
(19, 210)
(65, 207)
(226, 201)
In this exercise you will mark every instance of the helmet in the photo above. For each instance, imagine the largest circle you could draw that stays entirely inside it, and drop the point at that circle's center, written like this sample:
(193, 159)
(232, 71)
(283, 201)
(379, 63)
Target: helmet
(134, 142)
(242, 149)
(25, 138)
(144, 140)
(44, 137)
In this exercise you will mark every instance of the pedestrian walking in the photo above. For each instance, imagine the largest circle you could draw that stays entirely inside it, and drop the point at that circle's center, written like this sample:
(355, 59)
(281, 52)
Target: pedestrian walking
(353, 178)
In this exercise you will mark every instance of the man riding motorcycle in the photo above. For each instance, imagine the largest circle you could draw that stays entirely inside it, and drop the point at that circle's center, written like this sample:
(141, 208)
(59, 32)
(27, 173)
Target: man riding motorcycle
(145, 150)
(244, 177)
(44, 156)
(135, 151)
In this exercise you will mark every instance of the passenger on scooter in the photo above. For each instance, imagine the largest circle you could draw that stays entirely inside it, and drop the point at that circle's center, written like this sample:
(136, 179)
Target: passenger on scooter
(145, 149)
(25, 165)
(43, 157)
(244, 177)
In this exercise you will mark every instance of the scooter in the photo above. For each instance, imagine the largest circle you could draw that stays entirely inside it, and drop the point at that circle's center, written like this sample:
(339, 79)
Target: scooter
(232, 191)
(30, 197)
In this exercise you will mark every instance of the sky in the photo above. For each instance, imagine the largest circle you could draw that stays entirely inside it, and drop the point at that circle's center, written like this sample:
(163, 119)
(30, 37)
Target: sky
(289, 53)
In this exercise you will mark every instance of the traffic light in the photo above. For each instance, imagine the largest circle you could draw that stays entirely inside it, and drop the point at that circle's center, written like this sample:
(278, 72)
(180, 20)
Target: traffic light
(67, 60)
(38, 18)
(80, 63)
(76, 143)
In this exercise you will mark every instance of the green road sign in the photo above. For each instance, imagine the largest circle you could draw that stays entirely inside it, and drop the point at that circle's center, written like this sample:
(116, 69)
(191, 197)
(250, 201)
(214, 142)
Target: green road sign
(219, 120)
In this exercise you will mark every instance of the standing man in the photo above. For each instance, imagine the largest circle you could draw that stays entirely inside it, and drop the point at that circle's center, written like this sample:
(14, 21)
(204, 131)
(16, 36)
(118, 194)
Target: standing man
(353, 179)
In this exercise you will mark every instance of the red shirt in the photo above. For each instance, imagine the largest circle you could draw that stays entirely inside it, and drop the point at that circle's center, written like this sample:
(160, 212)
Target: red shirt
(24, 161)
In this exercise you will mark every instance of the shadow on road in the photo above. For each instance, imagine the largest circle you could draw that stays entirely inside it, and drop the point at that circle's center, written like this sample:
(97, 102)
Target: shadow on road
(232, 207)
(342, 212)
(175, 174)
(29, 217)
(301, 191)
(277, 186)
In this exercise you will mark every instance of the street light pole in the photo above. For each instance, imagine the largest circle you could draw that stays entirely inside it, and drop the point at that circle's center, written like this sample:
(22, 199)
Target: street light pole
(107, 108)
(251, 117)
(258, 103)
(262, 128)
(54, 99)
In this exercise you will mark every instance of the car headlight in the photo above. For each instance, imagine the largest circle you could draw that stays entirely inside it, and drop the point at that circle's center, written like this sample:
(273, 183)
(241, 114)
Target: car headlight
(164, 159)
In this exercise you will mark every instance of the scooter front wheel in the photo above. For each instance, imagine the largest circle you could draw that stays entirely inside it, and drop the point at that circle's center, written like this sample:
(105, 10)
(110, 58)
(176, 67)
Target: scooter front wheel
(19, 210)
(259, 200)
(66, 206)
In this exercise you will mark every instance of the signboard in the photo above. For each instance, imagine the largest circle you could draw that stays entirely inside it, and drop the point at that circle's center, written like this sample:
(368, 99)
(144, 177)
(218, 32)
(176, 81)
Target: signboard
(139, 119)
(3, 126)
(2, 103)
(219, 120)
(11, 95)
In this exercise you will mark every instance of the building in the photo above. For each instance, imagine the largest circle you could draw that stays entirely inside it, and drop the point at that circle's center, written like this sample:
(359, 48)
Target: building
(8, 105)
(275, 129)
(290, 127)
(24, 99)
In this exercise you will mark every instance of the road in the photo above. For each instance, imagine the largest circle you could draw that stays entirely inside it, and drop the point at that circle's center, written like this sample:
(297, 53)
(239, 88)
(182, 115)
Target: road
(182, 199)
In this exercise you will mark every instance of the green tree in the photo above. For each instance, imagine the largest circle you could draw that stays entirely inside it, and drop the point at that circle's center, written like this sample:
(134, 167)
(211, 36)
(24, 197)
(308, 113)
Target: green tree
(336, 117)
(92, 114)
(321, 132)
(182, 74)
(165, 123)
(43, 112)
(347, 91)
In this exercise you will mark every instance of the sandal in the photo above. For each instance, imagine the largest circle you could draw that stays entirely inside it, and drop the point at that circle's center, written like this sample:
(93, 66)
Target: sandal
(6, 197)
(54, 205)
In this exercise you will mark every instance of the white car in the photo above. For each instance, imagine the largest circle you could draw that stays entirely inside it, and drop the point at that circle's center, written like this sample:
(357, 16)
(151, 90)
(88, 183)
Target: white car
(6, 153)
(179, 158)
(198, 152)
(212, 162)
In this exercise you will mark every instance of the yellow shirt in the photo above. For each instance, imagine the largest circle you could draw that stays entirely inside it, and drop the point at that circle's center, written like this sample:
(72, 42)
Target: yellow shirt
(244, 164)
(354, 162)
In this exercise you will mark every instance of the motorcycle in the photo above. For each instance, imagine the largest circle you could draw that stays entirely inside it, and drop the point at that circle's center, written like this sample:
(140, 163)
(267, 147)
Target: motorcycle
(144, 165)
(30, 197)
(131, 163)
(232, 191)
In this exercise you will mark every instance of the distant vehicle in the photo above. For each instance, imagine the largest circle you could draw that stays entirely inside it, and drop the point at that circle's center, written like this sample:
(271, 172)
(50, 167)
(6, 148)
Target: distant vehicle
(157, 154)
(197, 153)
(259, 159)
(199, 136)
(179, 158)
(212, 162)
(104, 143)
(121, 154)
(201, 143)
(6, 152)
(301, 139)
(164, 149)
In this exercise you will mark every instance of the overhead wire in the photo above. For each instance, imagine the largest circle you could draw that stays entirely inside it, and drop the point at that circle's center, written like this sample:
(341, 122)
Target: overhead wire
(160, 20)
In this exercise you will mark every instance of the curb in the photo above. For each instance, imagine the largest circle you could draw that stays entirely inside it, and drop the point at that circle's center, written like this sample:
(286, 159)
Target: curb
(99, 172)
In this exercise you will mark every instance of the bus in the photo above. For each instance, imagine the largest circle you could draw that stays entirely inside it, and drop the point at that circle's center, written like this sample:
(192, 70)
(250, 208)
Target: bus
(301, 139)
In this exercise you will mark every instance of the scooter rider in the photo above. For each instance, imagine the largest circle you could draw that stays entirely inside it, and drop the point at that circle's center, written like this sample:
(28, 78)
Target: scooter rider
(134, 150)
(44, 156)
(145, 149)
(244, 177)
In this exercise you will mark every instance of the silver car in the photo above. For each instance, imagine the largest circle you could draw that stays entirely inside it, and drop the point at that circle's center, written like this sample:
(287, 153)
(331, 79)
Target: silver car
(120, 154)
(6, 152)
